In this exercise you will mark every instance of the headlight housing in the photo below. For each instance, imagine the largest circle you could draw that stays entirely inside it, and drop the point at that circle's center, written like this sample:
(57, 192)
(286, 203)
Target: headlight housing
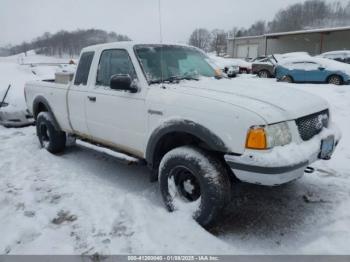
(268, 136)
(278, 134)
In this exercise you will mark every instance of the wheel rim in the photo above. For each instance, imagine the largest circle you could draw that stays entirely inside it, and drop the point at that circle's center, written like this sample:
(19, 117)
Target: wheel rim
(187, 185)
(263, 74)
(334, 80)
(45, 135)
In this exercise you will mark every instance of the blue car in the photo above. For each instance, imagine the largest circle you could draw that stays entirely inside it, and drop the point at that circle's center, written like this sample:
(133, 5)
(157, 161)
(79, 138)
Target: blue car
(313, 70)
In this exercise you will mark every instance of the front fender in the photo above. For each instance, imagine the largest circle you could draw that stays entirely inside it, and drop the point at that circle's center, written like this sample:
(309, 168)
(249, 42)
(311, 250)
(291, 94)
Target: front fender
(214, 142)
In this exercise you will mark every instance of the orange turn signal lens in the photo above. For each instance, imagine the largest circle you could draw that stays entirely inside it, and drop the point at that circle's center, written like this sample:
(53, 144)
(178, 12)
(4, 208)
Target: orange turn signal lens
(256, 139)
(218, 72)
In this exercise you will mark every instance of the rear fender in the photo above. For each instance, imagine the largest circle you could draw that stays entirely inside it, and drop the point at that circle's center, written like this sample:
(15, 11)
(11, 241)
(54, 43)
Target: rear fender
(40, 100)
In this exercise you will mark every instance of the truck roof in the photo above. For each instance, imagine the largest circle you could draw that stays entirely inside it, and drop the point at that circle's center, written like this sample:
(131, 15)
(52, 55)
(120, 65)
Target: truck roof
(125, 45)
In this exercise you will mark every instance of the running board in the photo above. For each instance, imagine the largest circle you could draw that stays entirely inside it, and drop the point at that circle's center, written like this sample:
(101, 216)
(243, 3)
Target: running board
(120, 156)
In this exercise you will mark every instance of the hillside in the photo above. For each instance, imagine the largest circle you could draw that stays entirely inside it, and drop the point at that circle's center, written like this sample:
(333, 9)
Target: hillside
(65, 43)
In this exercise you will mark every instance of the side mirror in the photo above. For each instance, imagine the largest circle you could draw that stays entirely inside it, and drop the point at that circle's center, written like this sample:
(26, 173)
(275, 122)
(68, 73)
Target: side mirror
(321, 68)
(123, 82)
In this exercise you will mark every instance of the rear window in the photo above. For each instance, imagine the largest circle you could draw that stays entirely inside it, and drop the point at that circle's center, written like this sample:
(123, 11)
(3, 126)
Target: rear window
(83, 68)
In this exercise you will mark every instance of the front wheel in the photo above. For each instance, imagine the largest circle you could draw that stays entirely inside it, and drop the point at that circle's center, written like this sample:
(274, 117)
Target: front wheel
(50, 138)
(196, 182)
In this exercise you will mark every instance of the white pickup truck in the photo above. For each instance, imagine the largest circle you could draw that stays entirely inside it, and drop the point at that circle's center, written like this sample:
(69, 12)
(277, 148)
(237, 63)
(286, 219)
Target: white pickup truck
(198, 131)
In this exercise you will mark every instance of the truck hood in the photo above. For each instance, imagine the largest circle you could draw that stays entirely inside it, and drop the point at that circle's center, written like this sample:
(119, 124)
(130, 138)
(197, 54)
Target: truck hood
(273, 101)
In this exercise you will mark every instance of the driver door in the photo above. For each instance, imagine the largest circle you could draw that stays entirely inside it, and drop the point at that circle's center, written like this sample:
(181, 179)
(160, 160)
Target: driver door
(116, 117)
(314, 72)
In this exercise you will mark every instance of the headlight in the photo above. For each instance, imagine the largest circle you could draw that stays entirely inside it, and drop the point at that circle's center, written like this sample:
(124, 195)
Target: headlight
(269, 136)
(278, 135)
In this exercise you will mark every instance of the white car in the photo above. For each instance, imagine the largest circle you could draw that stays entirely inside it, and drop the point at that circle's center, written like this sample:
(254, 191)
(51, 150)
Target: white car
(340, 56)
(197, 132)
(226, 65)
(244, 66)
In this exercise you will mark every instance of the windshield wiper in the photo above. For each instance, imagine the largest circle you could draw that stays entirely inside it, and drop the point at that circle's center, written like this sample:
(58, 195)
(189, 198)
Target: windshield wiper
(173, 79)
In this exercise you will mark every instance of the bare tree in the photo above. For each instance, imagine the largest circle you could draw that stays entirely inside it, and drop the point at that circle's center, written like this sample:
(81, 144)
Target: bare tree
(65, 43)
(307, 15)
(218, 41)
(200, 38)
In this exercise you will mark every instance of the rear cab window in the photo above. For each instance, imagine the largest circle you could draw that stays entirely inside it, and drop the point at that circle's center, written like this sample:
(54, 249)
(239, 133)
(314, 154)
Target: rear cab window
(83, 70)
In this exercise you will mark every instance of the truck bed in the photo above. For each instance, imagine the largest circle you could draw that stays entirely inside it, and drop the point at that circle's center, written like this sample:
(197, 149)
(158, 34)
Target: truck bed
(56, 96)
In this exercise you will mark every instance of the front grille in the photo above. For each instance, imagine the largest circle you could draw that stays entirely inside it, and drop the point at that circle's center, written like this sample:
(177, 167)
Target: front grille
(311, 125)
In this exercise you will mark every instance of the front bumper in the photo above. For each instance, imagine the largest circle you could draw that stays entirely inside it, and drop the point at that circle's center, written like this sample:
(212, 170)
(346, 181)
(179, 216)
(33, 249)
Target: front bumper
(266, 176)
(279, 165)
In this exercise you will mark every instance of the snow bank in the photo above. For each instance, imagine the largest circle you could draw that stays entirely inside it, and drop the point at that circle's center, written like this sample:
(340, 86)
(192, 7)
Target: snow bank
(103, 206)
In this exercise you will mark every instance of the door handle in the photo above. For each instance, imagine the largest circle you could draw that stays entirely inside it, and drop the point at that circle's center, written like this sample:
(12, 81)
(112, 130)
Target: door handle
(92, 98)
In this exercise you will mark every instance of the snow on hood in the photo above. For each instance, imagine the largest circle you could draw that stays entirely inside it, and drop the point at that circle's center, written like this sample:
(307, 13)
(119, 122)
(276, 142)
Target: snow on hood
(274, 102)
(328, 64)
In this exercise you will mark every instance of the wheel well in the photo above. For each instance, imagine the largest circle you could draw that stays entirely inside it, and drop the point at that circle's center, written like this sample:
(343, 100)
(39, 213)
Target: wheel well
(173, 140)
(40, 107)
(289, 77)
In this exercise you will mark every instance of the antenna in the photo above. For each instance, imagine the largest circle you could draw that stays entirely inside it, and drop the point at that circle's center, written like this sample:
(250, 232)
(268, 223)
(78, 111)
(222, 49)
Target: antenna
(161, 39)
(160, 21)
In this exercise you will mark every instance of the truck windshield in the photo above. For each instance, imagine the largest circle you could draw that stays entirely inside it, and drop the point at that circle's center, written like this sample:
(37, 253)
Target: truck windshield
(171, 63)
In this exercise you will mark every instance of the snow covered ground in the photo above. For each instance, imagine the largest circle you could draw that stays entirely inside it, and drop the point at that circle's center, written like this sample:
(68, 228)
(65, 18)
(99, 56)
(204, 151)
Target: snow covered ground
(83, 201)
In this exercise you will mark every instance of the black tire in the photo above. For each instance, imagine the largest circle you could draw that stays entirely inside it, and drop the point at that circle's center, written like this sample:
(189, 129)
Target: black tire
(335, 80)
(287, 79)
(264, 74)
(206, 175)
(50, 138)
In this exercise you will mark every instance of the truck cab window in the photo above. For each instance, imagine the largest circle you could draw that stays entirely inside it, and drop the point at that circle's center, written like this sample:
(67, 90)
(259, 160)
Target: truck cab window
(114, 62)
(84, 68)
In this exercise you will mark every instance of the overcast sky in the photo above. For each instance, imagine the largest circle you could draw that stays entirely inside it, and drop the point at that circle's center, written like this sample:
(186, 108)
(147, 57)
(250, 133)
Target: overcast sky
(25, 19)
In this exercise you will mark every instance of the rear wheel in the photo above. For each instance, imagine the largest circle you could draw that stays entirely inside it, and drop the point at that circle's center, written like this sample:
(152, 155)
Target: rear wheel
(196, 182)
(264, 74)
(335, 80)
(50, 138)
(287, 79)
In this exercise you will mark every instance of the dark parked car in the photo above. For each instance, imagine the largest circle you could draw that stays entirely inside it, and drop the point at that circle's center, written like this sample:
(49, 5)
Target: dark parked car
(256, 59)
(264, 68)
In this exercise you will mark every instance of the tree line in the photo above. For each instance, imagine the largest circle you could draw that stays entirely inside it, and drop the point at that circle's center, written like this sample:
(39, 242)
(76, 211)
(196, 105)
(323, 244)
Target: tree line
(65, 43)
(310, 14)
